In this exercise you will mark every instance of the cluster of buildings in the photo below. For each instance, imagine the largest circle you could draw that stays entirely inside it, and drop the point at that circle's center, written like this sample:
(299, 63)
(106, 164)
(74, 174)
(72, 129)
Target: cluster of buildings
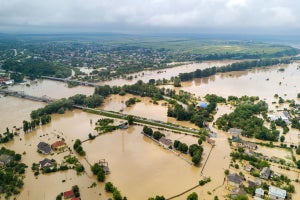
(235, 180)
(273, 193)
(238, 141)
(46, 148)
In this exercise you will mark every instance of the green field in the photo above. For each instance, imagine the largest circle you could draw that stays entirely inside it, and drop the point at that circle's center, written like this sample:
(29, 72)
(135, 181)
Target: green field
(199, 46)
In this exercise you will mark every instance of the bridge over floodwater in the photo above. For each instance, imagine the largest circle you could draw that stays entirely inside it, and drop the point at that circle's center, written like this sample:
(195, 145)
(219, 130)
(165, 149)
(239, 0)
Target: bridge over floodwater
(69, 80)
(21, 94)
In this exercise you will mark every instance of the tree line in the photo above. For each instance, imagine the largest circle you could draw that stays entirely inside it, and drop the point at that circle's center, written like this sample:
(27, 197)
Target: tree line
(60, 106)
(232, 67)
(195, 150)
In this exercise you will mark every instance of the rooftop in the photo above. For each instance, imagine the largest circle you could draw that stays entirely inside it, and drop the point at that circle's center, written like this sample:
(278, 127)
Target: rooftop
(235, 178)
(235, 131)
(44, 147)
(5, 159)
(259, 191)
(166, 141)
(69, 194)
(58, 144)
(275, 191)
(46, 163)
(201, 105)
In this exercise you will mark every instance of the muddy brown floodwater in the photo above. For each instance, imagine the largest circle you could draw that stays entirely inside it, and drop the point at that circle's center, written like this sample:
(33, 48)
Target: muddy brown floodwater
(166, 73)
(256, 82)
(14, 110)
(139, 167)
(53, 89)
(135, 161)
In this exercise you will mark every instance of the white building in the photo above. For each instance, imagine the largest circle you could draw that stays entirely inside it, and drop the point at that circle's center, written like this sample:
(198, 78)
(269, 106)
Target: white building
(276, 193)
(259, 192)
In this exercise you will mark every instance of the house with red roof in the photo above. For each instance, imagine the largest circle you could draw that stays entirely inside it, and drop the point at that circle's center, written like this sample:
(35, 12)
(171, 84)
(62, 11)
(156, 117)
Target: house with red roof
(58, 145)
(69, 194)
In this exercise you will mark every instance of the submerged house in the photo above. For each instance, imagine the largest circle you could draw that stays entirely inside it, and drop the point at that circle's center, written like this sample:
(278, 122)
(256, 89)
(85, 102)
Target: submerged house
(243, 143)
(236, 192)
(235, 131)
(249, 145)
(265, 173)
(259, 192)
(284, 116)
(44, 148)
(47, 163)
(5, 159)
(235, 179)
(69, 194)
(58, 145)
(201, 105)
(276, 193)
(167, 143)
(210, 141)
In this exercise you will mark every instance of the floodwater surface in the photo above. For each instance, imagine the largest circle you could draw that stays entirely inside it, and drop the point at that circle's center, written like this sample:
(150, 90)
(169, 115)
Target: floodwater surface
(139, 167)
(166, 73)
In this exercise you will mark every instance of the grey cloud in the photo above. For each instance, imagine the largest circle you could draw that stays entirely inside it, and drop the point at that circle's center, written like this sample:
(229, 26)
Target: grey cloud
(143, 14)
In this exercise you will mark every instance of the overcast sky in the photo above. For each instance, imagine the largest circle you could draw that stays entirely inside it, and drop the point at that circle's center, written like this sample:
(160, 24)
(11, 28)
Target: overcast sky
(195, 16)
